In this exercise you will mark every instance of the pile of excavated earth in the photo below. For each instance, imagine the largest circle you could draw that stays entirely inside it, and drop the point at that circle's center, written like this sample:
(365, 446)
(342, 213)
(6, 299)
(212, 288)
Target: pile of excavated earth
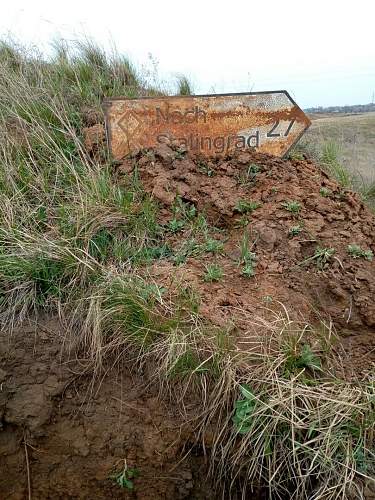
(312, 241)
(275, 232)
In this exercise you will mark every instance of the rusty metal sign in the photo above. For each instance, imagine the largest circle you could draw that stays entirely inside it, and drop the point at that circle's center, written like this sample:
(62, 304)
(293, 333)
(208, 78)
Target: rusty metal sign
(270, 122)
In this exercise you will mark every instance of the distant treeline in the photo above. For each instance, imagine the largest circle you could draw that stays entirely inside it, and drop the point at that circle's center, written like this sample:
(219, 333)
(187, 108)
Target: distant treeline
(356, 108)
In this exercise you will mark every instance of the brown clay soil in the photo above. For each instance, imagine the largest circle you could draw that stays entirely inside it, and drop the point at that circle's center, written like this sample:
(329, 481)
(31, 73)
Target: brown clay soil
(343, 290)
(69, 434)
(73, 434)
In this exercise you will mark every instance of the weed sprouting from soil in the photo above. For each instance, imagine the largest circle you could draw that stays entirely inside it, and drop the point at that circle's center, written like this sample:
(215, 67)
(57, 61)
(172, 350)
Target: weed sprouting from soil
(183, 210)
(243, 221)
(322, 256)
(248, 258)
(125, 477)
(248, 270)
(356, 252)
(292, 206)
(246, 207)
(248, 178)
(213, 273)
(304, 359)
(205, 169)
(175, 225)
(295, 230)
(213, 246)
(188, 248)
(244, 409)
(325, 192)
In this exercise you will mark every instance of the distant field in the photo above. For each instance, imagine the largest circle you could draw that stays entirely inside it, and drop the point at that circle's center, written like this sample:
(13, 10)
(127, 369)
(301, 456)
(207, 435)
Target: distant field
(355, 136)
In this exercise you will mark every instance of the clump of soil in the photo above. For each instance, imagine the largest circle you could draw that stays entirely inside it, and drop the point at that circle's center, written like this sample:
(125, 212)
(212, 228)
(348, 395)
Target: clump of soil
(300, 212)
(94, 140)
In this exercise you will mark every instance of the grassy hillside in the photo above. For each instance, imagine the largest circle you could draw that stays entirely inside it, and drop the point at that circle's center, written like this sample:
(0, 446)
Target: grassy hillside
(75, 241)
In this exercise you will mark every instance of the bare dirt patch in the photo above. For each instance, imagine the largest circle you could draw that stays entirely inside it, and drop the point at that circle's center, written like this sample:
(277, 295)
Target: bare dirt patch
(77, 433)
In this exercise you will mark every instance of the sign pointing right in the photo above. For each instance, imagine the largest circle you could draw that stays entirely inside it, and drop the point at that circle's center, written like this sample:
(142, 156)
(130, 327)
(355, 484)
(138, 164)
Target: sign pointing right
(270, 122)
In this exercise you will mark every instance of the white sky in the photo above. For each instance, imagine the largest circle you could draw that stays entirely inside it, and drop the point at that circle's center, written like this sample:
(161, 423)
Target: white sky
(322, 51)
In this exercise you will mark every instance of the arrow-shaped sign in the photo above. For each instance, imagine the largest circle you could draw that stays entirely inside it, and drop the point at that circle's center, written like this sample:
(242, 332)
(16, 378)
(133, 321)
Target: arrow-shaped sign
(270, 122)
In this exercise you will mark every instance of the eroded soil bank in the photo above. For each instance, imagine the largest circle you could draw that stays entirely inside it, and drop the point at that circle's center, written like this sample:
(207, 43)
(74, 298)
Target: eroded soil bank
(71, 434)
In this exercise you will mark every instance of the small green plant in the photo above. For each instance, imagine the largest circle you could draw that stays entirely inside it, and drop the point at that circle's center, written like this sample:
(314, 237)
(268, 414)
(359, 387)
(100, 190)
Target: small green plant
(248, 258)
(122, 251)
(292, 206)
(100, 244)
(242, 222)
(175, 225)
(321, 256)
(245, 247)
(180, 154)
(331, 152)
(244, 410)
(205, 169)
(246, 207)
(304, 358)
(325, 192)
(156, 252)
(189, 300)
(213, 246)
(296, 155)
(267, 298)
(253, 169)
(184, 210)
(213, 273)
(200, 225)
(124, 478)
(295, 230)
(357, 252)
(249, 176)
(248, 270)
(150, 292)
(188, 248)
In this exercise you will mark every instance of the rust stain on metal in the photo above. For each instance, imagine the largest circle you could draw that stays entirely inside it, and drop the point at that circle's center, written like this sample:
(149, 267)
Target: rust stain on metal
(270, 122)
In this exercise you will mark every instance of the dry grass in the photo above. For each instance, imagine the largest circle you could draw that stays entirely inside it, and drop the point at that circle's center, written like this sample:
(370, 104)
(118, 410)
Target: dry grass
(278, 415)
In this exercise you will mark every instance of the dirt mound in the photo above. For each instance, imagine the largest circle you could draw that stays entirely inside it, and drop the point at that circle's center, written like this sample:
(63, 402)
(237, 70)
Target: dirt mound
(312, 241)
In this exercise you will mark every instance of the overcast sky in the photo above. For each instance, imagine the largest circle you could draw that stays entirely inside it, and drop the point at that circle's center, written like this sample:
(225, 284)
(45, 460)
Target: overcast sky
(321, 51)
